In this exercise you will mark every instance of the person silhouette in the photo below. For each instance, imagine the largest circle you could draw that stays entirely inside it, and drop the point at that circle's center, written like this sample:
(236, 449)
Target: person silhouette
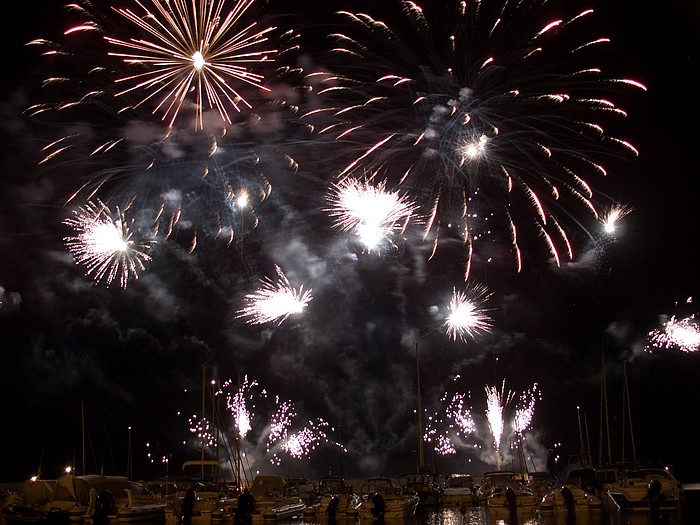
(187, 507)
(246, 506)
(104, 505)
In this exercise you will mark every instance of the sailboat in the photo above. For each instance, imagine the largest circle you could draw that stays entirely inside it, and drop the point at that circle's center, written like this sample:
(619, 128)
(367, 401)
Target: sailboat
(630, 485)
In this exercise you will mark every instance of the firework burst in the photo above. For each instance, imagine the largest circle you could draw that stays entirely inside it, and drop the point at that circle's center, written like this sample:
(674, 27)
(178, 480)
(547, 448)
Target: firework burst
(487, 122)
(208, 181)
(467, 317)
(241, 403)
(297, 444)
(525, 409)
(275, 301)
(448, 431)
(683, 334)
(104, 244)
(612, 217)
(369, 211)
(496, 402)
(193, 47)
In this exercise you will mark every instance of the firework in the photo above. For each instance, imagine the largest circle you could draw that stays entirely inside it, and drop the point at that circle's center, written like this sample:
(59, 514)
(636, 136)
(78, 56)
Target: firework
(467, 317)
(193, 47)
(369, 211)
(241, 403)
(525, 409)
(613, 216)
(275, 301)
(458, 423)
(677, 333)
(496, 402)
(296, 444)
(180, 179)
(201, 427)
(104, 245)
(488, 117)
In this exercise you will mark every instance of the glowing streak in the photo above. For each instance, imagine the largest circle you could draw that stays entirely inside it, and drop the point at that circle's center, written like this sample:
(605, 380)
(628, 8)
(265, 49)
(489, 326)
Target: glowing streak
(103, 243)
(275, 301)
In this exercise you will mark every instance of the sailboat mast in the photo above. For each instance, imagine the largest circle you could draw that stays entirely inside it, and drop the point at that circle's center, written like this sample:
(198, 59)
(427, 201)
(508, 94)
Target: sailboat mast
(82, 432)
(604, 416)
(204, 397)
(421, 457)
(629, 411)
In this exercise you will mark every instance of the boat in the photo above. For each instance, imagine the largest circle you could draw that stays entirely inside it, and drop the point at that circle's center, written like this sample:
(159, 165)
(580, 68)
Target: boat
(459, 491)
(632, 487)
(214, 500)
(272, 501)
(304, 488)
(382, 499)
(130, 502)
(502, 491)
(336, 500)
(30, 503)
(425, 486)
(540, 483)
(72, 499)
(575, 490)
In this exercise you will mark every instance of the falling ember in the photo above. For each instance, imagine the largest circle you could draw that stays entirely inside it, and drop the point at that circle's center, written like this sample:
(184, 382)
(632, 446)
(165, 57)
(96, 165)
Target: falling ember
(677, 333)
(275, 301)
(371, 212)
(103, 243)
(467, 317)
(446, 432)
(202, 429)
(193, 47)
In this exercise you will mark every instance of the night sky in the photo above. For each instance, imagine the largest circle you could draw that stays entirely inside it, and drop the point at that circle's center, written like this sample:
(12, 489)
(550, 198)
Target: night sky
(134, 357)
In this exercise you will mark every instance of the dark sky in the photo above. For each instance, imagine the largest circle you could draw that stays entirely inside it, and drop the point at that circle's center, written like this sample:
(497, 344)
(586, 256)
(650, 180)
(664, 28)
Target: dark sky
(134, 356)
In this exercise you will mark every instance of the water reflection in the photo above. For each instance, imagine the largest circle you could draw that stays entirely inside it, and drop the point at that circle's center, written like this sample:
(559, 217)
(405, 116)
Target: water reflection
(482, 516)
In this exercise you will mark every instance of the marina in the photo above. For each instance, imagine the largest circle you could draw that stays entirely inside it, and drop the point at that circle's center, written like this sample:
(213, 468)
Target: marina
(380, 500)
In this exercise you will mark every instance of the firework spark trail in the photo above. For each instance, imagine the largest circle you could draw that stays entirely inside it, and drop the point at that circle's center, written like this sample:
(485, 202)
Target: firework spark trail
(484, 119)
(241, 403)
(274, 301)
(467, 316)
(370, 211)
(447, 429)
(194, 48)
(525, 409)
(103, 244)
(496, 402)
(297, 444)
(683, 334)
